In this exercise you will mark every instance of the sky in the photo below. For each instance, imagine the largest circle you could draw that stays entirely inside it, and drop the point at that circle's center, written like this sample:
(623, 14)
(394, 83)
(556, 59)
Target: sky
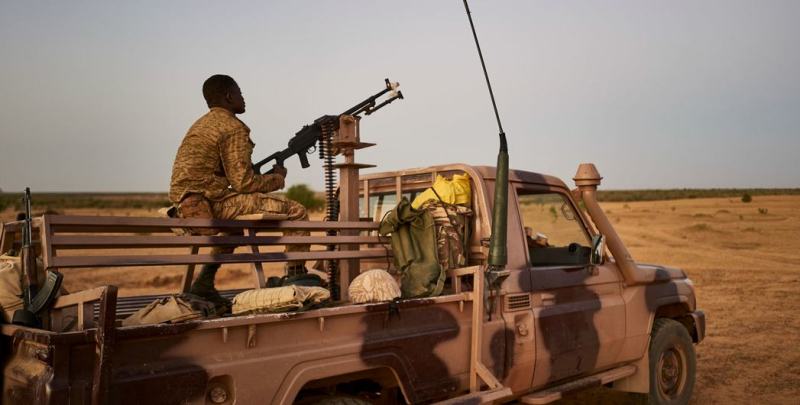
(96, 96)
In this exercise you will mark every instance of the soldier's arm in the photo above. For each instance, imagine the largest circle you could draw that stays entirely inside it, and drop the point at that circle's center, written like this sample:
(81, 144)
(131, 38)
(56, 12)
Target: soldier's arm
(236, 151)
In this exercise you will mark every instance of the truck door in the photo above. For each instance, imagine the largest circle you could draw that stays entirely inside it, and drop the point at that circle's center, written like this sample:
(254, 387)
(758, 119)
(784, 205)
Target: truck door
(579, 313)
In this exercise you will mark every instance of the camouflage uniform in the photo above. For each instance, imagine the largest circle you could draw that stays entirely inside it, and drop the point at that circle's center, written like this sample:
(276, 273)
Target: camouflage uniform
(452, 232)
(214, 161)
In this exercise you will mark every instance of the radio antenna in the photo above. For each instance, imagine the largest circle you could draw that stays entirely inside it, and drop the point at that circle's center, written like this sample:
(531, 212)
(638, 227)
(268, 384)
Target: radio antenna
(498, 249)
(503, 145)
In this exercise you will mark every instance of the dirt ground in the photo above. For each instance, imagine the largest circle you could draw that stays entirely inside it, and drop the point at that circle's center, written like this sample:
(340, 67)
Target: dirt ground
(743, 258)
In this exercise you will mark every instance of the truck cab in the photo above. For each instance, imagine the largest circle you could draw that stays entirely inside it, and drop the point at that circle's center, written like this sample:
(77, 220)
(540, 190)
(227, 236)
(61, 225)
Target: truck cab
(567, 308)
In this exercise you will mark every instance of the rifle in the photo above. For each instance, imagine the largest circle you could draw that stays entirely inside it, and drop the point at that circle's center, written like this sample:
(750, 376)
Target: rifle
(305, 140)
(34, 300)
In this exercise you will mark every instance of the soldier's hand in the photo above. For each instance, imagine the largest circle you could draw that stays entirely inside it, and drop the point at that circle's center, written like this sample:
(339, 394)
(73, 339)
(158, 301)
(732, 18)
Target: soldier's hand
(279, 169)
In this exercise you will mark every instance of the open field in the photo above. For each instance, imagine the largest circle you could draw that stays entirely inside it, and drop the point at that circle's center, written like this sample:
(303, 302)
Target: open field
(743, 257)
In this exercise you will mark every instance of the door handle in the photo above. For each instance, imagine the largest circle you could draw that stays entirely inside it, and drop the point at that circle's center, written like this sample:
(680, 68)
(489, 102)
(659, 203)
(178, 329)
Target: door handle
(548, 298)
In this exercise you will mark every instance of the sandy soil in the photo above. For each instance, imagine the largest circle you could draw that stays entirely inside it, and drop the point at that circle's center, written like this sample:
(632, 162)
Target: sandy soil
(743, 258)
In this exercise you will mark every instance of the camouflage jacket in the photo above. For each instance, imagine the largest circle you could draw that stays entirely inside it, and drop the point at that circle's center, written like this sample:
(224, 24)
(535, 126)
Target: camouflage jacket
(214, 160)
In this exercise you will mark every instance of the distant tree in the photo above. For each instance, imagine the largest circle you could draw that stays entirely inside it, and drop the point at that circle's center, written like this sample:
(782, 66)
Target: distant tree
(304, 195)
(554, 213)
(746, 198)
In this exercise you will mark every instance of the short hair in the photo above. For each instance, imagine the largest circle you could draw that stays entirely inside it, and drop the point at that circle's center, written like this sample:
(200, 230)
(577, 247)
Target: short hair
(216, 87)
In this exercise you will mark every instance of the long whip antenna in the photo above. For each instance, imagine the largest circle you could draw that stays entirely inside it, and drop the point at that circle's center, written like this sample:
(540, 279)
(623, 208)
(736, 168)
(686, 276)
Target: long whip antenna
(498, 250)
(503, 145)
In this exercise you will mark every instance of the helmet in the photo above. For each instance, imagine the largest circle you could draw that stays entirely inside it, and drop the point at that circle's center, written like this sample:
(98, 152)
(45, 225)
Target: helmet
(373, 286)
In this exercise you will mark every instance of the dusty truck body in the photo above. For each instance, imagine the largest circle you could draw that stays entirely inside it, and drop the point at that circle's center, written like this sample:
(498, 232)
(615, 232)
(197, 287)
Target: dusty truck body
(560, 321)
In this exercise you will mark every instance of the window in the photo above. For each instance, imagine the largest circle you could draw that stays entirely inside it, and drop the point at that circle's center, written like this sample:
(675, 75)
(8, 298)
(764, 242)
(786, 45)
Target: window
(379, 205)
(555, 234)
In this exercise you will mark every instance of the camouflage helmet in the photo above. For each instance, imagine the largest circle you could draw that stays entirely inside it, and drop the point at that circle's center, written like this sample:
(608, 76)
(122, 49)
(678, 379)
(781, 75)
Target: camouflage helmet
(373, 286)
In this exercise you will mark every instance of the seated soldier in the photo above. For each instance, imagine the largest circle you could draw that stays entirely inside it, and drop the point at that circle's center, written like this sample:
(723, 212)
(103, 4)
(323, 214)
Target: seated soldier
(539, 241)
(213, 177)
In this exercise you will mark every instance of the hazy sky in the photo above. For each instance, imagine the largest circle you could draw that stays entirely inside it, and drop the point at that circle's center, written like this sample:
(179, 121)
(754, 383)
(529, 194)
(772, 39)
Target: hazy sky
(96, 96)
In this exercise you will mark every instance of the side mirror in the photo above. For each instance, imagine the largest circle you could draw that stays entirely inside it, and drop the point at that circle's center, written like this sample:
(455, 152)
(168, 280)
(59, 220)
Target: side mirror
(598, 248)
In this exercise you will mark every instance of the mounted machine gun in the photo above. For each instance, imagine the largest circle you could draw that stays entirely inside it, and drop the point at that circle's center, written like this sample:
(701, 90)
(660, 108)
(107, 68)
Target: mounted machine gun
(322, 130)
(305, 140)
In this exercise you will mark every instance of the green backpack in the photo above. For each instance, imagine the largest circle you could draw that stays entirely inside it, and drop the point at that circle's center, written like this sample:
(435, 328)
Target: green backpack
(415, 250)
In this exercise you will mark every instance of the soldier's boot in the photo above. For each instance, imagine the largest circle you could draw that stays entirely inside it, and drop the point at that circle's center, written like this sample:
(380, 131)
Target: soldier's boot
(203, 287)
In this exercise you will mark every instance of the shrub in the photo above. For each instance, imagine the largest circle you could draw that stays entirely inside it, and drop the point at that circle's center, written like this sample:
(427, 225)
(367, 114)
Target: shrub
(554, 213)
(746, 198)
(763, 211)
(304, 195)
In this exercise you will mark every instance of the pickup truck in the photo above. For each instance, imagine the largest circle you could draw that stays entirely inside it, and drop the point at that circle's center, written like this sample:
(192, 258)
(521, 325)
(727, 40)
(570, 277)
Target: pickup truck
(573, 311)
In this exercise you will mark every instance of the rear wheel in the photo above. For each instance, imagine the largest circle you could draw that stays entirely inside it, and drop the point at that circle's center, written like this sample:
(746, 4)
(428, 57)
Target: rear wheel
(672, 363)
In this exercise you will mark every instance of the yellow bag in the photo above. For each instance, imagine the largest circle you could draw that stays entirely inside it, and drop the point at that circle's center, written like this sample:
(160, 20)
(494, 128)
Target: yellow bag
(451, 191)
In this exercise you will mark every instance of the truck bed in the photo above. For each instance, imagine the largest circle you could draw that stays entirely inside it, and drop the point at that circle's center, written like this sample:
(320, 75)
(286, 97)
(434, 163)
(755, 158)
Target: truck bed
(176, 362)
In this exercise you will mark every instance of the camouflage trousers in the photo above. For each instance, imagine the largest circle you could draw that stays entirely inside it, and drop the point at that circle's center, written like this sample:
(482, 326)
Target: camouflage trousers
(248, 204)
(258, 203)
(262, 203)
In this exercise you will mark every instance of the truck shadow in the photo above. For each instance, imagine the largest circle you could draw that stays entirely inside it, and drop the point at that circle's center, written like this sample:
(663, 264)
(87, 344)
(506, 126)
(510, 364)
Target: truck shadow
(415, 341)
(568, 329)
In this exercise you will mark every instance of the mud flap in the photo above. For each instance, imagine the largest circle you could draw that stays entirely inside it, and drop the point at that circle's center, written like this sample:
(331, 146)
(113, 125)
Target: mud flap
(640, 380)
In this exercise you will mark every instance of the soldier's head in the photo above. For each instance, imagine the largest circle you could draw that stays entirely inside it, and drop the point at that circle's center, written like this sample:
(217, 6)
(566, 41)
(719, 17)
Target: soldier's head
(222, 91)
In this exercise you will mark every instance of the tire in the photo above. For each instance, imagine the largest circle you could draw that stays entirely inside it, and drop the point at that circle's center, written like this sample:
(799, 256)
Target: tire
(672, 364)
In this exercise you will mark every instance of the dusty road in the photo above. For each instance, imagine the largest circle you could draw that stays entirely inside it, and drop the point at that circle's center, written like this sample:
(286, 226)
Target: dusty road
(743, 257)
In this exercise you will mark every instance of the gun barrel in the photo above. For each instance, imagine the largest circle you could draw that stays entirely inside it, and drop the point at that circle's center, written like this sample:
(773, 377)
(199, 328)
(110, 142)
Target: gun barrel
(26, 234)
(398, 95)
(368, 106)
(305, 140)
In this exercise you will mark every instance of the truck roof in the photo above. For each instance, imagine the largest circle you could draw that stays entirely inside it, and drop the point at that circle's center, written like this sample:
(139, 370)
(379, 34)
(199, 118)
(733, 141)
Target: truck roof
(485, 172)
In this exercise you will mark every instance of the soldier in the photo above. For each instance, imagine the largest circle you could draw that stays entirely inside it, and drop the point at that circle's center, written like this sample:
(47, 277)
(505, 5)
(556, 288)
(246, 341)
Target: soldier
(213, 176)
